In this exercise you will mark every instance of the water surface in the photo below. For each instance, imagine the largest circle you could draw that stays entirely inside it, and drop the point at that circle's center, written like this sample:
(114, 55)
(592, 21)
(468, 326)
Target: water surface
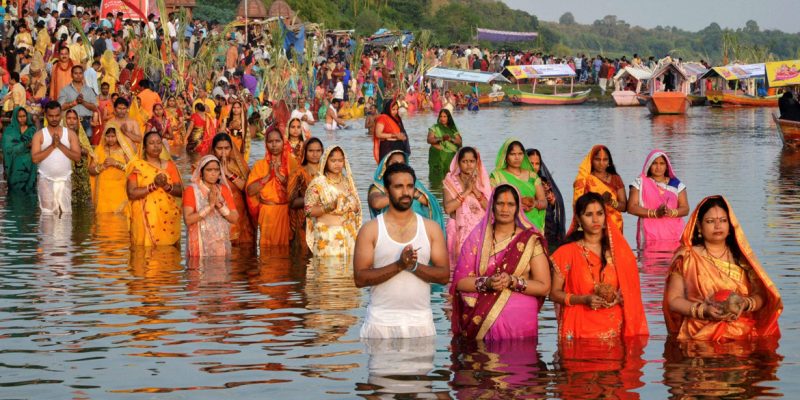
(84, 316)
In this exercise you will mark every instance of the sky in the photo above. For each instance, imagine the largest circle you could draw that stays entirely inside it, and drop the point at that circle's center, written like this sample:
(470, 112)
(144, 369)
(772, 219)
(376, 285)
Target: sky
(691, 15)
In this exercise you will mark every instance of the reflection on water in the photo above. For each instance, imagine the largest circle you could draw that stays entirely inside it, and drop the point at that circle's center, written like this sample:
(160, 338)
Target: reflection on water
(731, 370)
(507, 369)
(84, 315)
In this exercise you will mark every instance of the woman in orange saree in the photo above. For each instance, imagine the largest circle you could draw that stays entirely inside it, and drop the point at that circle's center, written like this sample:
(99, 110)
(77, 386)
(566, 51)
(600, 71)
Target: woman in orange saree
(235, 170)
(597, 297)
(154, 189)
(267, 191)
(598, 174)
(298, 183)
(716, 288)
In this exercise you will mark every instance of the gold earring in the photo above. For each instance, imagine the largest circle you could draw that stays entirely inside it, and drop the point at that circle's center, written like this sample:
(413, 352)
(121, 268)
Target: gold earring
(580, 228)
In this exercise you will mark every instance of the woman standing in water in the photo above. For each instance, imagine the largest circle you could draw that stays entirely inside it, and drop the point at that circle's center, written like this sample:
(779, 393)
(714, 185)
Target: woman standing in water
(513, 167)
(598, 174)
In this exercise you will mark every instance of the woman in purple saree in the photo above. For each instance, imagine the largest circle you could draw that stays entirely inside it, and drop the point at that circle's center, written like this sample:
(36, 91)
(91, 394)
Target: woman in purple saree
(502, 275)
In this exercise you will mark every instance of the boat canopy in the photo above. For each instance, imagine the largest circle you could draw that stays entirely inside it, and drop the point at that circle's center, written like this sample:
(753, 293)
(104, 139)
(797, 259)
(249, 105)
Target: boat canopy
(694, 70)
(638, 73)
(736, 71)
(493, 35)
(667, 66)
(461, 75)
(540, 71)
(783, 73)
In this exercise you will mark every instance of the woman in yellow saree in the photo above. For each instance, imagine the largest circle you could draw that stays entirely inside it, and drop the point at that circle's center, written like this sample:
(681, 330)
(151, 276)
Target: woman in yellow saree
(598, 174)
(333, 209)
(716, 288)
(110, 71)
(108, 167)
(154, 189)
(267, 191)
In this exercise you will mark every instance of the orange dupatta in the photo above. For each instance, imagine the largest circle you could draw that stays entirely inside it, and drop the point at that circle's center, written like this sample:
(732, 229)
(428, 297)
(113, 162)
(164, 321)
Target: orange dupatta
(580, 321)
(586, 182)
(273, 218)
(703, 277)
(389, 126)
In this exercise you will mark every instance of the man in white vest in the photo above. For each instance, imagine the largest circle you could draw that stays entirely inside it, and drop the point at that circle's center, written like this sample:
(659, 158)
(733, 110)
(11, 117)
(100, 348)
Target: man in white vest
(399, 254)
(54, 148)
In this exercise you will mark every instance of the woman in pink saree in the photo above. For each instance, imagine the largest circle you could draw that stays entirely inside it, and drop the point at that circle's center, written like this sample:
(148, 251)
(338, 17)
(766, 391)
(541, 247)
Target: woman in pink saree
(502, 275)
(466, 194)
(208, 210)
(660, 201)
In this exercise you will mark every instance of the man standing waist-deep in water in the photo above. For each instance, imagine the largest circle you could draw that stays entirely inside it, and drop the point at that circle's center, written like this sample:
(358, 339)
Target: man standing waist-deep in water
(399, 254)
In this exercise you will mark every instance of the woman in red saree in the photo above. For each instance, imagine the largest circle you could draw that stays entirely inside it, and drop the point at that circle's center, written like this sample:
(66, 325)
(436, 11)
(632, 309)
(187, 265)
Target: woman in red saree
(201, 131)
(716, 288)
(598, 174)
(236, 171)
(597, 297)
(502, 275)
(390, 134)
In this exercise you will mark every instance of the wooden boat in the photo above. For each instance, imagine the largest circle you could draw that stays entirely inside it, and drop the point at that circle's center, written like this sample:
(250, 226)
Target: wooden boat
(665, 103)
(725, 96)
(623, 79)
(473, 78)
(696, 100)
(549, 71)
(519, 97)
(491, 98)
(729, 98)
(659, 100)
(788, 131)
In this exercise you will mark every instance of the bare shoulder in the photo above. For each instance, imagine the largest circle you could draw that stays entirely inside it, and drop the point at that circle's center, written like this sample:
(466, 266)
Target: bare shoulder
(432, 227)
(369, 229)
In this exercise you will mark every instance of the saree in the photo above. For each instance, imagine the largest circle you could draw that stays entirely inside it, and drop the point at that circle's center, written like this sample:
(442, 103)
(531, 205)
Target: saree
(241, 135)
(333, 240)
(155, 219)
(704, 276)
(270, 207)
(81, 184)
(210, 236)
(493, 315)
(580, 269)
(242, 232)
(586, 182)
(652, 195)
(439, 158)
(555, 215)
(298, 184)
(110, 71)
(199, 140)
(525, 188)
(20, 170)
(59, 78)
(109, 193)
(469, 213)
(381, 148)
(432, 211)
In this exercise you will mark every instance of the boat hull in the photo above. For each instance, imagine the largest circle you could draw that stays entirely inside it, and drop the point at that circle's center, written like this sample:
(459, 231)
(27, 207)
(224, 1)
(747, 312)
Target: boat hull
(491, 98)
(789, 132)
(625, 98)
(526, 98)
(696, 101)
(667, 103)
(723, 99)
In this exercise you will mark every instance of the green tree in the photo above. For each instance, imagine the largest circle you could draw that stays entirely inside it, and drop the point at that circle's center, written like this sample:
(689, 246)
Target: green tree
(367, 22)
(567, 19)
(455, 23)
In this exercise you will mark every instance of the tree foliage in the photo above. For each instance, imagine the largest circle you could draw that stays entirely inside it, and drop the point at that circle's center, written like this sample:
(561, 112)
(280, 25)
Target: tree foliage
(567, 19)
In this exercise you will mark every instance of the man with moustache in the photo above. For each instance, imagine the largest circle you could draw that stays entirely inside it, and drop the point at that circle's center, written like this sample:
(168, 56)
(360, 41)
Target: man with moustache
(399, 254)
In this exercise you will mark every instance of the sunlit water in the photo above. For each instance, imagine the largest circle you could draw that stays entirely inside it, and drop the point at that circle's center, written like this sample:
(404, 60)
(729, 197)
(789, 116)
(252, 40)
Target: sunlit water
(82, 316)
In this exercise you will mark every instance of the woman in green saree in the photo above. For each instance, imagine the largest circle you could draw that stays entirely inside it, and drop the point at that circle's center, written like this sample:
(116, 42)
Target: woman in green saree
(513, 167)
(19, 168)
(445, 140)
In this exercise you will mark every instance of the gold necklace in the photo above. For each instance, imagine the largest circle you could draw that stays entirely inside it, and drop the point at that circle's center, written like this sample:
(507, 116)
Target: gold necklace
(335, 181)
(720, 257)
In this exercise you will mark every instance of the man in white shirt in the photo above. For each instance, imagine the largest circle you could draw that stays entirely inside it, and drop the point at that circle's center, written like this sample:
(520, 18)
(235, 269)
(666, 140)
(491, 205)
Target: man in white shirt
(399, 254)
(305, 115)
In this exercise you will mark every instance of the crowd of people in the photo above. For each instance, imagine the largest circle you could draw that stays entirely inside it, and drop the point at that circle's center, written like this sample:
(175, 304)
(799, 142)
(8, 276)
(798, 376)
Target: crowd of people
(79, 124)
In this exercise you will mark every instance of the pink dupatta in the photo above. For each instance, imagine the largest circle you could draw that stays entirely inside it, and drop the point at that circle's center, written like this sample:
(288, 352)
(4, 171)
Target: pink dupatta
(210, 236)
(665, 231)
(470, 213)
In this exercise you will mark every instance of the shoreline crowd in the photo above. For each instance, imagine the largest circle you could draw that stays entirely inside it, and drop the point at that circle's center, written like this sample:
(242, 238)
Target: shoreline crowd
(499, 239)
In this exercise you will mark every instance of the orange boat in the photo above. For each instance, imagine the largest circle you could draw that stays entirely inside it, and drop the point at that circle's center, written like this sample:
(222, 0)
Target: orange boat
(667, 103)
(789, 132)
(729, 98)
(491, 98)
(668, 90)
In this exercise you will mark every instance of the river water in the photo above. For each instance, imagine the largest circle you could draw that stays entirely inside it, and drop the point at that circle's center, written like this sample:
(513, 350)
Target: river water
(83, 316)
